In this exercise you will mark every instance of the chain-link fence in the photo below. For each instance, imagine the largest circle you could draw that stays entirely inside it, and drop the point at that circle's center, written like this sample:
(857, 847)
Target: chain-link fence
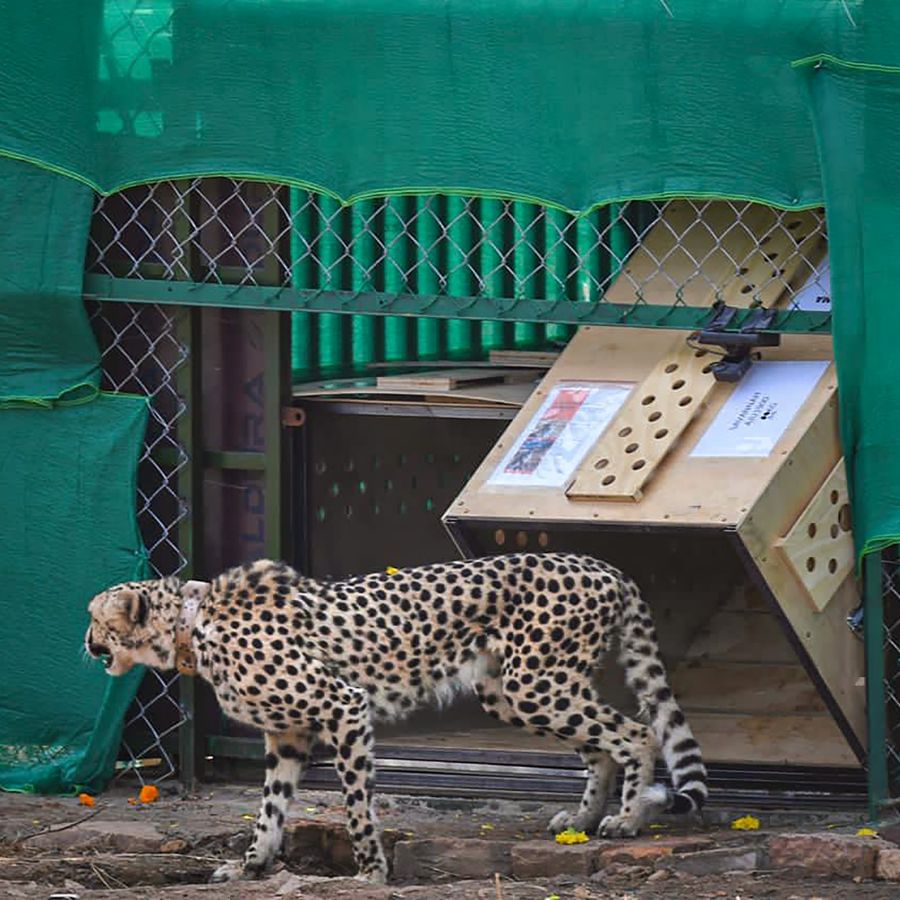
(245, 233)
(890, 646)
(245, 236)
(140, 354)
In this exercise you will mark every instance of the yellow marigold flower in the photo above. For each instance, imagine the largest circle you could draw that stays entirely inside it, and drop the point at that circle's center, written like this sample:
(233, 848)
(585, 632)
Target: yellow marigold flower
(745, 823)
(569, 836)
(149, 793)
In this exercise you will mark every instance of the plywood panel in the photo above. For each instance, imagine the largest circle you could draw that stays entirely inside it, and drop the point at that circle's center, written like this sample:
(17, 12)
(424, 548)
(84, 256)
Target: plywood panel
(833, 650)
(646, 428)
(742, 637)
(724, 686)
(819, 546)
(685, 490)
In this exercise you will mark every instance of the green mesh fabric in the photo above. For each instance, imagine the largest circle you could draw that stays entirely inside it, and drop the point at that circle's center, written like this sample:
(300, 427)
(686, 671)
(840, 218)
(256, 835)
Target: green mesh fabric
(47, 349)
(574, 102)
(68, 530)
(857, 116)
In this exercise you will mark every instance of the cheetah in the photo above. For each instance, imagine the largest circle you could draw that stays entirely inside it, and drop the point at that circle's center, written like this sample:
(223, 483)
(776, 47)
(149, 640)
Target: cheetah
(315, 662)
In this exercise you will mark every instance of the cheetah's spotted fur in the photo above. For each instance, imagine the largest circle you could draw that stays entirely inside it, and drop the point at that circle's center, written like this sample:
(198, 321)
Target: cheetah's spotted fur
(310, 662)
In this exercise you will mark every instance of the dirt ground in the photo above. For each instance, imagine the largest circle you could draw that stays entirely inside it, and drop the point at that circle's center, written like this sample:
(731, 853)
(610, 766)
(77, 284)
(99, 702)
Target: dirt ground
(56, 848)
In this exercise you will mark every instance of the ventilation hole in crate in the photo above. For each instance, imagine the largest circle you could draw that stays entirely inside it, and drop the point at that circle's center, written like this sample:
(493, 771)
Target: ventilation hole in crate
(625, 431)
(638, 464)
(699, 354)
(376, 509)
(810, 563)
(678, 385)
(844, 517)
(334, 489)
(832, 566)
(685, 401)
(389, 484)
(631, 448)
(646, 401)
(349, 466)
(747, 288)
(834, 531)
(521, 539)
(402, 508)
(659, 435)
(812, 529)
(834, 496)
(543, 539)
(708, 368)
(765, 240)
(499, 537)
(771, 256)
(348, 511)
(362, 487)
(654, 416)
(794, 223)
(321, 514)
(743, 270)
(429, 504)
(601, 464)
(608, 480)
(670, 368)
(320, 467)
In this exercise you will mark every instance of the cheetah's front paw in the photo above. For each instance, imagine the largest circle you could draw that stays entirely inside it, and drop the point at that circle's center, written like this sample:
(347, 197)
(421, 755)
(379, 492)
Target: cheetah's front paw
(619, 826)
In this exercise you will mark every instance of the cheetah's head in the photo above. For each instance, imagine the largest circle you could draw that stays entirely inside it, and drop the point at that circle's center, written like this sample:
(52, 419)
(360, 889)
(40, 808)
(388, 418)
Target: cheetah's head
(134, 624)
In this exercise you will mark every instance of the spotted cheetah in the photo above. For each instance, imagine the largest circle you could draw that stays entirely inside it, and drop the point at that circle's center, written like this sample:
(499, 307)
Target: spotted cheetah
(312, 662)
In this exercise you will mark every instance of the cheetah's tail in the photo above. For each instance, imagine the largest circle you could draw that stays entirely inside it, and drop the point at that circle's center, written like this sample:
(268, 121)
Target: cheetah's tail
(646, 676)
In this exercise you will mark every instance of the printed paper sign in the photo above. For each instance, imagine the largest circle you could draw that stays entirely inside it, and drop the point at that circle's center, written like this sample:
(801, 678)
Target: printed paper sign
(815, 295)
(760, 408)
(560, 433)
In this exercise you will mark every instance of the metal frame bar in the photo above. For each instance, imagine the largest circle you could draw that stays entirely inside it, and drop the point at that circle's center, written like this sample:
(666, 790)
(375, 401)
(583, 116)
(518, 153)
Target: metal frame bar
(522, 310)
(876, 701)
(189, 430)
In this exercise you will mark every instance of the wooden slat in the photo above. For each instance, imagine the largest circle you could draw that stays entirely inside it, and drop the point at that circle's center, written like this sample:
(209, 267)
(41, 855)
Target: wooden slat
(739, 637)
(451, 379)
(649, 424)
(819, 547)
(774, 689)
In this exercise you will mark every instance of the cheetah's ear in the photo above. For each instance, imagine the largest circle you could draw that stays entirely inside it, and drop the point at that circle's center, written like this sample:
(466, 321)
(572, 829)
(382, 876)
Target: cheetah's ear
(134, 606)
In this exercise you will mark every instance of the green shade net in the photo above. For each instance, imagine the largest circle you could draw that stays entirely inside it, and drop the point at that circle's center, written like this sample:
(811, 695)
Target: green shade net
(68, 530)
(573, 102)
(47, 348)
(857, 117)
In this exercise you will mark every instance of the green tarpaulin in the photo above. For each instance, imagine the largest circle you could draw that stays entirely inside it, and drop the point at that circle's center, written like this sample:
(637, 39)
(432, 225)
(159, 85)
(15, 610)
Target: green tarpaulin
(68, 530)
(573, 102)
(857, 117)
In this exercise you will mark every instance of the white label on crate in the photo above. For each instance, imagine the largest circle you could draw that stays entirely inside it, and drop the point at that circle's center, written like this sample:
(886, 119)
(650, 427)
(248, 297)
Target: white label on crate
(560, 433)
(815, 295)
(760, 408)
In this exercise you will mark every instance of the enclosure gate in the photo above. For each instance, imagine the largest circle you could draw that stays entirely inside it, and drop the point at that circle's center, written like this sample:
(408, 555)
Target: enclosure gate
(184, 276)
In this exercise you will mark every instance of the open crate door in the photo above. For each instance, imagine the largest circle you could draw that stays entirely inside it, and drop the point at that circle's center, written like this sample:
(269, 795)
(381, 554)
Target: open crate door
(727, 503)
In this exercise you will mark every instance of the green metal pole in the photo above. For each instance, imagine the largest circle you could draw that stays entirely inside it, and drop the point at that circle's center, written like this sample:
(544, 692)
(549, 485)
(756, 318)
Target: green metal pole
(493, 334)
(556, 268)
(396, 268)
(428, 332)
(526, 335)
(362, 251)
(331, 338)
(459, 276)
(876, 701)
(301, 323)
(588, 279)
